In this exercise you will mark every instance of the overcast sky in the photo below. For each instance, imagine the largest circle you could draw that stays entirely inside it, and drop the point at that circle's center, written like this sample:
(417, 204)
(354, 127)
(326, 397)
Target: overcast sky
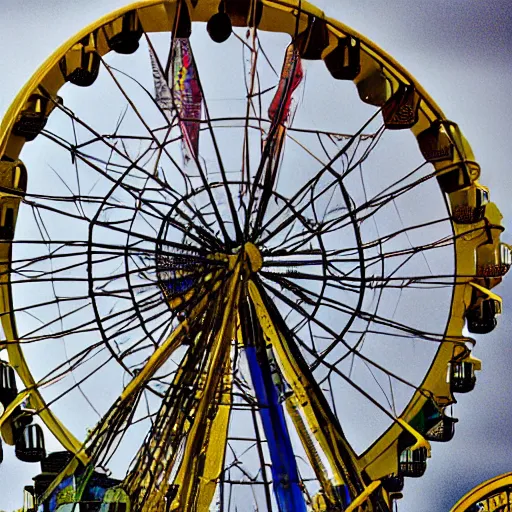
(461, 52)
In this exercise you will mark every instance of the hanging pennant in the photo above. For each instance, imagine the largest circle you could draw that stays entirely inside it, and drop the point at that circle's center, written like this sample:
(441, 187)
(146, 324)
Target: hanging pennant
(181, 94)
(163, 94)
(292, 74)
(187, 95)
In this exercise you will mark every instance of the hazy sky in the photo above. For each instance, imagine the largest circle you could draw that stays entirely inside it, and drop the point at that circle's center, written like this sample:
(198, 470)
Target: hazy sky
(461, 52)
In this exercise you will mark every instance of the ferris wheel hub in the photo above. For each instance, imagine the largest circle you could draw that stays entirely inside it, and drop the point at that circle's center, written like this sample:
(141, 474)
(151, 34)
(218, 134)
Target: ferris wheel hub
(254, 257)
(251, 255)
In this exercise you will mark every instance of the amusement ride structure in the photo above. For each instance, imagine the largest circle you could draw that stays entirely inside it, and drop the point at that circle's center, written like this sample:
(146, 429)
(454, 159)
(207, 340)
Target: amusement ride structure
(493, 495)
(242, 256)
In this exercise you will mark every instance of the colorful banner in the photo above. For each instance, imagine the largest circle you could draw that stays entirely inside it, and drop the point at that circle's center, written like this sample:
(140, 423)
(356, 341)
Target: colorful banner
(292, 74)
(180, 93)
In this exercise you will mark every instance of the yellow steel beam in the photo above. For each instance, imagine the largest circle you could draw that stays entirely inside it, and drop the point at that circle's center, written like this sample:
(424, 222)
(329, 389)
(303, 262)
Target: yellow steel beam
(186, 497)
(324, 432)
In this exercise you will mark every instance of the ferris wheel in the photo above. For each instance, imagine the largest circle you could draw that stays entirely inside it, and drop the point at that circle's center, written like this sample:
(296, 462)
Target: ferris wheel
(242, 255)
(492, 495)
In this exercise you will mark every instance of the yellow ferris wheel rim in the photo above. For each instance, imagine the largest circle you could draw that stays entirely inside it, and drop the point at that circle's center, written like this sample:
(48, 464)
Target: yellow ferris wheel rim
(488, 489)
